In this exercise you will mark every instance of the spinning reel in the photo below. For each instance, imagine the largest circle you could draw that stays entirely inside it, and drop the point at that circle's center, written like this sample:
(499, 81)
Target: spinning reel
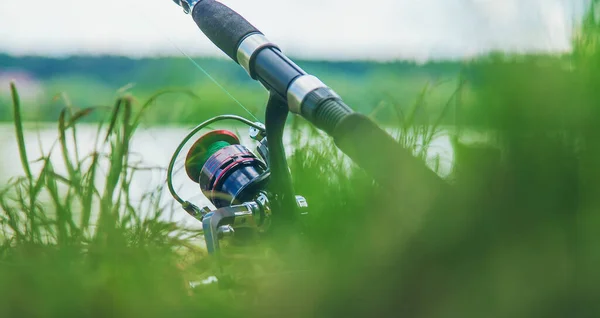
(235, 180)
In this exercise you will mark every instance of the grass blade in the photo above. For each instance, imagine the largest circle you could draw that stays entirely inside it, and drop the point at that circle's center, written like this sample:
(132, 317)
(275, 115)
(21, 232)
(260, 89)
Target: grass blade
(19, 130)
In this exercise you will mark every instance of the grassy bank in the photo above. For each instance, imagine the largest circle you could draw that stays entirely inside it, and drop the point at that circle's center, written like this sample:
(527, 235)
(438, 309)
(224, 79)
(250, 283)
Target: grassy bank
(80, 244)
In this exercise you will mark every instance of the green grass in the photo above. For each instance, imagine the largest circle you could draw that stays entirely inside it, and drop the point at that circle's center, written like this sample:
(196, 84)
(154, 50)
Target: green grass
(77, 245)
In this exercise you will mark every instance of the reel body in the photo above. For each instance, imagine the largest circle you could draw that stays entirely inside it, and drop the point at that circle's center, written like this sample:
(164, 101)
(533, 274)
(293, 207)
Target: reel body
(235, 181)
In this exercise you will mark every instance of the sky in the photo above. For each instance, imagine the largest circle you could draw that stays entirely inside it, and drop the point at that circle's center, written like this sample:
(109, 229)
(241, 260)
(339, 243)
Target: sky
(318, 29)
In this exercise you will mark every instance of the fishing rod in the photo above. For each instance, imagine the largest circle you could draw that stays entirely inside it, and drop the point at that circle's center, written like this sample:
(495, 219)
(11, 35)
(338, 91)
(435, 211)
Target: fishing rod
(254, 194)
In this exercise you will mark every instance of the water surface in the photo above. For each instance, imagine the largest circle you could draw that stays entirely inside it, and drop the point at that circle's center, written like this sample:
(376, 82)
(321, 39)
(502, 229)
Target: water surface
(152, 148)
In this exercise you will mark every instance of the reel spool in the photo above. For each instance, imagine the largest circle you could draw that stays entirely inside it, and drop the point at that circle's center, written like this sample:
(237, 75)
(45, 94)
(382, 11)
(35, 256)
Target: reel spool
(228, 173)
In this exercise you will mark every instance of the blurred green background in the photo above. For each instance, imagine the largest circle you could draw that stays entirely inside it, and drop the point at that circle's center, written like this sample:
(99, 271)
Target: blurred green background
(92, 81)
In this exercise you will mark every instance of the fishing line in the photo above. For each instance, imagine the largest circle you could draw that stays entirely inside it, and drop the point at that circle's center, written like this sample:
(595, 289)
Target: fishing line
(213, 80)
(205, 72)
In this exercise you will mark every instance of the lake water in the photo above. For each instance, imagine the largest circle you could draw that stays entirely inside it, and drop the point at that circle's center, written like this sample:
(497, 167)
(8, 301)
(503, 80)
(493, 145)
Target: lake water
(153, 147)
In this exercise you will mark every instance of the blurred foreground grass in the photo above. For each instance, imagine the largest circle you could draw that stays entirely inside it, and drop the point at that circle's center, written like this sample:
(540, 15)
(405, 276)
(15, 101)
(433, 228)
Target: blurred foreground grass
(518, 236)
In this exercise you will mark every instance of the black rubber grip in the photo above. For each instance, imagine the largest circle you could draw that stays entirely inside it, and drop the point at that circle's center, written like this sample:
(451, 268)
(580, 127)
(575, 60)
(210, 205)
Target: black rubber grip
(380, 155)
(223, 26)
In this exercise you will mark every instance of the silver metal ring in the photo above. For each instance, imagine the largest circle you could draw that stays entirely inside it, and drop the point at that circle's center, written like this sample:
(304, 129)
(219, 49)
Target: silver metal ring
(188, 5)
(250, 45)
(298, 90)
